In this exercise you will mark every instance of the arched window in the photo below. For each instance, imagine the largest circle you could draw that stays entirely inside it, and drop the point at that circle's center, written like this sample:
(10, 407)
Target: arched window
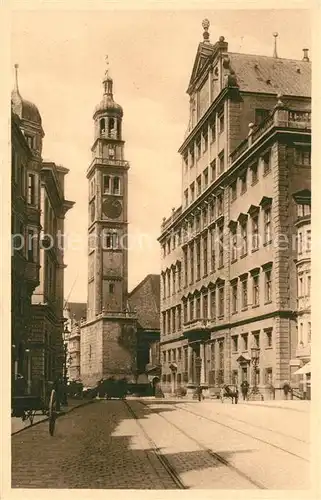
(102, 125)
(111, 126)
(116, 185)
(106, 184)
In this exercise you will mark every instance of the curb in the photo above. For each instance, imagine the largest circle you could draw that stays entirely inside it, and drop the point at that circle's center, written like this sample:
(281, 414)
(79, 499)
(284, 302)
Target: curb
(61, 414)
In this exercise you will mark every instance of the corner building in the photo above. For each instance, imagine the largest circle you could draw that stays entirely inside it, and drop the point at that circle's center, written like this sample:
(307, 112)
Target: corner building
(230, 254)
(108, 335)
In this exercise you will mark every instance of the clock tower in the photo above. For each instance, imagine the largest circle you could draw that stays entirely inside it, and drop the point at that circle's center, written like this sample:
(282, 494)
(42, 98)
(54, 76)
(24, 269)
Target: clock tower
(108, 334)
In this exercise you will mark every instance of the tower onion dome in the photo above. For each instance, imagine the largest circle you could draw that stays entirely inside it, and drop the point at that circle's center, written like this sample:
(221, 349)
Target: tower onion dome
(26, 110)
(107, 104)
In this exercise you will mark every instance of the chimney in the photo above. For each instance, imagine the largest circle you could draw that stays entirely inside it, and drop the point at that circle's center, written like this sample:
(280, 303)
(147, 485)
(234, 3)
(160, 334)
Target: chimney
(305, 55)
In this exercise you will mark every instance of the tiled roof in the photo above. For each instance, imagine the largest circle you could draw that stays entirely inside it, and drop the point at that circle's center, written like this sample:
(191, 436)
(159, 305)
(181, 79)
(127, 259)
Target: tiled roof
(271, 75)
(77, 310)
(145, 299)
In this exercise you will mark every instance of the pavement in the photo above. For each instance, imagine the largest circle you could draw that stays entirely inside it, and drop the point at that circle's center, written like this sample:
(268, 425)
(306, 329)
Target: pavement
(208, 444)
(17, 424)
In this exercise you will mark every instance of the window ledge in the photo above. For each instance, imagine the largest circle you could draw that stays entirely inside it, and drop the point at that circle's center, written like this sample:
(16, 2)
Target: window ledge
(255, 250)
(269, 302)
(244, 309)
(269, 348)
(267, 243)
(266, 173)
(255, 306)
(255, 182)
(233, 261)
(244, 255)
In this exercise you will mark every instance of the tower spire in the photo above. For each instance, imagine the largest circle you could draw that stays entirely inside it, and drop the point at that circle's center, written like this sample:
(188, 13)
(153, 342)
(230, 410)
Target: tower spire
(275, 53)
(108, 81)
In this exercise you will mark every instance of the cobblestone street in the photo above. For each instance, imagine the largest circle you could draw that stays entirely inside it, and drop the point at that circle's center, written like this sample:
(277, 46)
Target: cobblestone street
(162, 444)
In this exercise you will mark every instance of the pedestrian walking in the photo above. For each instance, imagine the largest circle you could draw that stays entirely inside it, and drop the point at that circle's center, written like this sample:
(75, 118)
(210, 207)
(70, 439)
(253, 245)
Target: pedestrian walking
(245, 389)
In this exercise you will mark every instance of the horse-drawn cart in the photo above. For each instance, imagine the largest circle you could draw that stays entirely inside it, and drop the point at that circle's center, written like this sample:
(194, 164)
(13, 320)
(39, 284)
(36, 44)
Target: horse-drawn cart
(27, 407)
(229, 392)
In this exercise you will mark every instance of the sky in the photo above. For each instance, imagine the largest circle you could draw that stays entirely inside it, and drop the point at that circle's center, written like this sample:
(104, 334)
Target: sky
(61, 57)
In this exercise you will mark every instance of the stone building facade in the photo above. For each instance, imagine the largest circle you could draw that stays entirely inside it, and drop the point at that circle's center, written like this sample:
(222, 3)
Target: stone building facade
(108, 336)
(229, 268)
(74, 313)
(144, 299)
(38, 211)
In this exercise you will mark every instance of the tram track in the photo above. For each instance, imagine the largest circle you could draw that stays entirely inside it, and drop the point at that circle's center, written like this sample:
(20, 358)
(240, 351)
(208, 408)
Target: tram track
(160, 456)
(216, 457)
(280, 448)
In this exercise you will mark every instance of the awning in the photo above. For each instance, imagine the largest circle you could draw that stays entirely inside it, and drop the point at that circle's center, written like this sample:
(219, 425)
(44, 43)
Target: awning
(304, 369)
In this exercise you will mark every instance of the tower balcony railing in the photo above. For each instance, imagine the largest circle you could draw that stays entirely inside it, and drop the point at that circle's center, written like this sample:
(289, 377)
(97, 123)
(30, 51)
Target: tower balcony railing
(108, 161)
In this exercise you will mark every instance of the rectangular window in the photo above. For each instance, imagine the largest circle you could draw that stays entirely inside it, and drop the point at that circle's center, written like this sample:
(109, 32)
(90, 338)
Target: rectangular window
(31, 189)
(198, 307)
(221, 301)
(110, 241)
(174, 319)
(205, 141)
(220, 205)
(256, 290)
(255, 232)
(192, 157)
(205, 176)
(308, 242)
(198, 149)
(303, 156)
(256, 339)
(185, 312)
(268, 337)
(255, 177)
(106, 184)
(164, 357)
(235, 346)
(205, 212)
(111, 288)
(268, 376)
(186, 197)
(244, 238)
(169, 355)
(309, 286)
(199, 185)
(191, 309)
(213, 249)
(205, 306)
(300, 287)
(30, 141)
(179, 317)
(185, 256)
(267, 226)
(191, 253)
(164, 322)
(185, 161)
(179, 354)
(245, 337)
(213, 170)
(221, 121)
(221, 162)
(192, 189)
(205, 255)
(233, 244)
(32, 247)
(266, 159)
(212, 209)
(221, 247)
(268, 286)
(234, 298)
(213, 304)
(116, 185)
(244, 183)
(244, 294)
(198, 260)
(213, 130)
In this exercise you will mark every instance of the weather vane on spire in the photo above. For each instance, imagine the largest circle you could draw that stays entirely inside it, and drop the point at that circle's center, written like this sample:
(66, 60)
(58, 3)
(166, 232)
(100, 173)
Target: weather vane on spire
(107, 65)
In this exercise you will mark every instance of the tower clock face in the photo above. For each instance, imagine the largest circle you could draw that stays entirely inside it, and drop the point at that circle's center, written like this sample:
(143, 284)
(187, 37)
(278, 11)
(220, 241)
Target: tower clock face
(112, 208)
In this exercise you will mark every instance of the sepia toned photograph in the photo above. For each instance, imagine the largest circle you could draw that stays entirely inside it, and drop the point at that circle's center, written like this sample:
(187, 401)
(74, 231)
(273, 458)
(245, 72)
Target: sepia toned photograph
(161, 249)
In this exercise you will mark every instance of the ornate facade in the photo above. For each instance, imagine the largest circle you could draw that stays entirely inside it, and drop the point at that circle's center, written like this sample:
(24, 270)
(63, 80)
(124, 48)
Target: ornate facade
(229, 268)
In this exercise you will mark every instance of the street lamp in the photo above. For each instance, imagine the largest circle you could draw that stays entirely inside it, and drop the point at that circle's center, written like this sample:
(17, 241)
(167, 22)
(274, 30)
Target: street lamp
(198, 366)
(255, 359)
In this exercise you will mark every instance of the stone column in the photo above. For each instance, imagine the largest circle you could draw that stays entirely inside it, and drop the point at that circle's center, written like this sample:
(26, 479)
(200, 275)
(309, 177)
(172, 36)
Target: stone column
(202, 356)
(190, 364)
